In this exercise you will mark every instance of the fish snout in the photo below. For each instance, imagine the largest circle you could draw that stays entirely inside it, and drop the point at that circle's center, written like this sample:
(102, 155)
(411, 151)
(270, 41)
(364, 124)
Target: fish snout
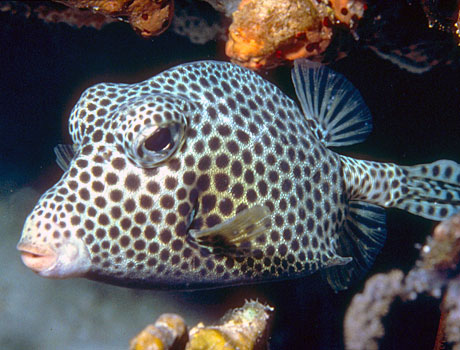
(59, 258)
(71, 259)
(50, 248)
(36, 259)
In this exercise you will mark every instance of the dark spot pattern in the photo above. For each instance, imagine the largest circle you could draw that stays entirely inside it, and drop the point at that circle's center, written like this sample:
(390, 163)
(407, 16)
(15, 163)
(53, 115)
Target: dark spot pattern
(243, 144)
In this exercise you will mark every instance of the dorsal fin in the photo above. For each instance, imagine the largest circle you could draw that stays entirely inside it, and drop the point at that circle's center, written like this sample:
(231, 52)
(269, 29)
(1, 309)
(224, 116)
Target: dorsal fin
(334, 104)
(236, 236)
(64, 155)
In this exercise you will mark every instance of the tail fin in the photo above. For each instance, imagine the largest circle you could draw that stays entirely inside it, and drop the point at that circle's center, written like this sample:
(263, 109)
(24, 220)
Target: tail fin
(433, 190)
(428, 190)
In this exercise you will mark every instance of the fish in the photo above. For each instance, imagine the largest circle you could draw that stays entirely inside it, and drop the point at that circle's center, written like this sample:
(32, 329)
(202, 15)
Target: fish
(207, 175)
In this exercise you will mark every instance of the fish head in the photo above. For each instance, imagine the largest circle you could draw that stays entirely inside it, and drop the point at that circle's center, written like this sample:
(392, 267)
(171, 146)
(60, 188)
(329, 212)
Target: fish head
(119, 203)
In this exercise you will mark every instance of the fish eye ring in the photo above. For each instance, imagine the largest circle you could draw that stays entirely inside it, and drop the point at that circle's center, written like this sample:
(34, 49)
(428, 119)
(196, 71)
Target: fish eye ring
(155, 143)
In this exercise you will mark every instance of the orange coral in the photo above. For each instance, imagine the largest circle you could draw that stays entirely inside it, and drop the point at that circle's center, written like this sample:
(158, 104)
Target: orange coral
(266, 32)
(148, 17)
(348, 12)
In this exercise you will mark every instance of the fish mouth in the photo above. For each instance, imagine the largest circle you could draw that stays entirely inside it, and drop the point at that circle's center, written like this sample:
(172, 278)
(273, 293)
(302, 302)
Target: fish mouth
(38, 260)
(71, 259)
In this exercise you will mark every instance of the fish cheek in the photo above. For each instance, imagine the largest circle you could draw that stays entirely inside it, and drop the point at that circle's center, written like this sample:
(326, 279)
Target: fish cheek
(132, 219)
(160, 228)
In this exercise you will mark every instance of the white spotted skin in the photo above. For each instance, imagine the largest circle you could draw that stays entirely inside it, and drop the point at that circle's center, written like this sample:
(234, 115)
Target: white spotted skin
(245, 143)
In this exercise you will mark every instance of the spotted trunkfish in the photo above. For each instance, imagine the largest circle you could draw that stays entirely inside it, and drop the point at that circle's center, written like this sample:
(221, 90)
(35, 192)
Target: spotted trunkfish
(207, 175)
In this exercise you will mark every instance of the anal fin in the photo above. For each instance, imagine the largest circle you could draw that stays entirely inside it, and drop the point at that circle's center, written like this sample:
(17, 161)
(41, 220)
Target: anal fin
(362, 239)
(236, 236)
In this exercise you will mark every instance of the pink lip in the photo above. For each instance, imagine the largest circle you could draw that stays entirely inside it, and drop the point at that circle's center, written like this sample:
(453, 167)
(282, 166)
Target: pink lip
(36, 259)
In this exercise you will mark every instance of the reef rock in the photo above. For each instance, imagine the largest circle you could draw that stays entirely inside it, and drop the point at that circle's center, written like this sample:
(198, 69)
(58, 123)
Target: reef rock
(147, 17)
(265, 33)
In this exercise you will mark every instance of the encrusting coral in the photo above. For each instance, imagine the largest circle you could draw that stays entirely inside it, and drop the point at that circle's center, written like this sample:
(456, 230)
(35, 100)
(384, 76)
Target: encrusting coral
(444, 16)
(56, 14)
(191, 17)
(267, 32)
(168, 332)
(73, 17)
(240, 329)
(226, 7)
(147, 17)
(264, 33)
(193, 20)
(436, 273)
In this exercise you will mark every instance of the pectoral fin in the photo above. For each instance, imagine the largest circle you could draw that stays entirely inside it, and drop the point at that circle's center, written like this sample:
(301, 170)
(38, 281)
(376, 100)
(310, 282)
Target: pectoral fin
(64, 155)
(236, 236)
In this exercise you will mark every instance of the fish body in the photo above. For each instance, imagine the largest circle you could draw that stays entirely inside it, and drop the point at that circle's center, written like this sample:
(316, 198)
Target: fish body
(208, 175)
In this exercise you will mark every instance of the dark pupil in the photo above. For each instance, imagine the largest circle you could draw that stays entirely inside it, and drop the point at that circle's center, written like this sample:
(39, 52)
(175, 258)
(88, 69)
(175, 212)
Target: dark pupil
(159, 140)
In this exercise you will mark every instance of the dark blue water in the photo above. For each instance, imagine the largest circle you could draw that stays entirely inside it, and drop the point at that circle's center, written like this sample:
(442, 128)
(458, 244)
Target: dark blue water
(45, 67)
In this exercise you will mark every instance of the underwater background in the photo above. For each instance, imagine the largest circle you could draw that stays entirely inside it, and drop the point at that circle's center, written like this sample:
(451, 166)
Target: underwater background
(45, 68)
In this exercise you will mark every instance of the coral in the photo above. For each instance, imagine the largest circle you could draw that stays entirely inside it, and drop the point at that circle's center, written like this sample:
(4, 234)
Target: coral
(57, 14)
(451, 307)
(437, 269)
(265, 33)
(363, 325)
(168, 332)
(148, 17)
(442, 251)
(193, 20)
(444, 16)
(457, 25)
(225, 6)
(14, 7)
(241, 329)
(72, 16)
(348, 12)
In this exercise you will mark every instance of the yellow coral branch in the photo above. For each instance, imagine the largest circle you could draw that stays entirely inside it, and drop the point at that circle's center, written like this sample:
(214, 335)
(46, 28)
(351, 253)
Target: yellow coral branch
(239, 329)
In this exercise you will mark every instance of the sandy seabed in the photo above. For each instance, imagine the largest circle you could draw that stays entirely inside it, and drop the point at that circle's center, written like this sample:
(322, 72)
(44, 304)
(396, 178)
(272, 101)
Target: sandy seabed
(37, 313)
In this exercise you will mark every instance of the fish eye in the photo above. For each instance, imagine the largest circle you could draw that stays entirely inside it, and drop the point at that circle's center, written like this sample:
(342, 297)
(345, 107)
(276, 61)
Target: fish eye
(154, 128)
(155, 144)
(159, 140)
